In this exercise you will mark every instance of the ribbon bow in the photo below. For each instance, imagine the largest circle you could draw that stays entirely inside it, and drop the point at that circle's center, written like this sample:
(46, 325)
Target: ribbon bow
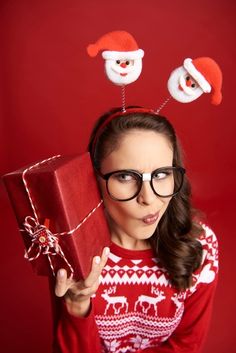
(43, 242)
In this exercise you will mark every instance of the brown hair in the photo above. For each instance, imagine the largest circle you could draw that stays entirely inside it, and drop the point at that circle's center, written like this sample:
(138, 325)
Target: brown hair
(174, 240)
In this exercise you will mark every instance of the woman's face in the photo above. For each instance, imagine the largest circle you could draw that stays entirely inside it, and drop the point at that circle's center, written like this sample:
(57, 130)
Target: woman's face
(133, 222)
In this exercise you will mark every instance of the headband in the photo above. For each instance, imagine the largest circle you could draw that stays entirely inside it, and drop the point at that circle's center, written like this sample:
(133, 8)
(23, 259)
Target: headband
(123, 65)
(116, 115)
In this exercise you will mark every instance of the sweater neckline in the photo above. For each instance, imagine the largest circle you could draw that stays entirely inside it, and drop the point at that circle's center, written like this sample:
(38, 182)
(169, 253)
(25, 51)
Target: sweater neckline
(131, 254)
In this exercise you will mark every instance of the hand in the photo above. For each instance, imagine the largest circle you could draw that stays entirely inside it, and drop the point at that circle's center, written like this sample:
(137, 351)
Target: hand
(77, 294)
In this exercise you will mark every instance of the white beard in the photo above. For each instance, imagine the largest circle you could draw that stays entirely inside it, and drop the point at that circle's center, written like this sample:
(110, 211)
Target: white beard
(188, 94)
(113, 72)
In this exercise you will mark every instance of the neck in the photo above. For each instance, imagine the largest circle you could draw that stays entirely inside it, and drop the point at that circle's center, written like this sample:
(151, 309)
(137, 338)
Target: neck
(131, 244)
(120, 238)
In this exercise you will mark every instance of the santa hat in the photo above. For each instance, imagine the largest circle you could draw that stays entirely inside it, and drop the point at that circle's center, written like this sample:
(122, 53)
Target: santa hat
(117, 45)
(207, 74)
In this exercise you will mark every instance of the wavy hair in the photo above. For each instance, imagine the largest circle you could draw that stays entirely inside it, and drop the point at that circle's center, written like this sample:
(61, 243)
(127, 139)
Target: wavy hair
(175, 239)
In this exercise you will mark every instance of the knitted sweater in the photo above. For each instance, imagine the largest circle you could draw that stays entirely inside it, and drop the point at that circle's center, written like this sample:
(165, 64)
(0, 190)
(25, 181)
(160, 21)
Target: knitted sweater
(136, 309)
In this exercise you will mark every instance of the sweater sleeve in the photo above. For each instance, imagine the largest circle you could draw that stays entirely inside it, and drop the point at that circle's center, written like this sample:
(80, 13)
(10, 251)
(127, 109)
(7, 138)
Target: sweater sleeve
(189, 336)
(77, 335)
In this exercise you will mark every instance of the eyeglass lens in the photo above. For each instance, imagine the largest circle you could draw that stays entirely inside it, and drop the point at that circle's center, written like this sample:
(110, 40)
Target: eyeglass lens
(124, 185)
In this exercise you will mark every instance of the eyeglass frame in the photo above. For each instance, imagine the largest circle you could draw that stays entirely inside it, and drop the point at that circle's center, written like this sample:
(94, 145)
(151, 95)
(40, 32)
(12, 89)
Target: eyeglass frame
(142, 177)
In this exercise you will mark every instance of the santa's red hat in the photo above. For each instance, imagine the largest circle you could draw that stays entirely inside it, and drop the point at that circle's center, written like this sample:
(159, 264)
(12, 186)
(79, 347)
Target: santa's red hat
(118, 45)
(207, 74)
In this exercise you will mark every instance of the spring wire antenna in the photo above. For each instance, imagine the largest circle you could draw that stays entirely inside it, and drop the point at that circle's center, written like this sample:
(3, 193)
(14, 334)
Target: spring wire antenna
(163, 105)
(123, 102)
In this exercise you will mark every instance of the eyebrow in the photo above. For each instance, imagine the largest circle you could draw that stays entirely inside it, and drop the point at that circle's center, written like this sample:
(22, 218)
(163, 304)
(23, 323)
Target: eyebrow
(138, 171)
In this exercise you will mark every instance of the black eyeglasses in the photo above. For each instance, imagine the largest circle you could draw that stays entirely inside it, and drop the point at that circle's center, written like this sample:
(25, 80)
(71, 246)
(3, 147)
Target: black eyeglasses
(125, 185)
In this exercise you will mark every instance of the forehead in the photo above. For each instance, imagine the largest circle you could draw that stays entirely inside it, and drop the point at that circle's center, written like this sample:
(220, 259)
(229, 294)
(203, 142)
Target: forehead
(140, 150)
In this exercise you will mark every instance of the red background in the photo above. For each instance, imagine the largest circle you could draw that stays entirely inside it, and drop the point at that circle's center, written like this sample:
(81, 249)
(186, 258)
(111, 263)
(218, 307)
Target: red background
(52, 93)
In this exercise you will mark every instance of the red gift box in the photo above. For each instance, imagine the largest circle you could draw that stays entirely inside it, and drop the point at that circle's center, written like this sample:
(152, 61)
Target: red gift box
(64, 191)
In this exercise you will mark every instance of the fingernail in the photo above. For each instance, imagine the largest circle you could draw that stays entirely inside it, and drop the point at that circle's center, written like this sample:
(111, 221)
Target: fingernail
(107, 251)
(61, 273)
(97, 260)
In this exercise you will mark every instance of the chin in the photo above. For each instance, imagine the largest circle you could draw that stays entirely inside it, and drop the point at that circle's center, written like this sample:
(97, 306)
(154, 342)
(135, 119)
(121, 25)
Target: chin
(146, 232)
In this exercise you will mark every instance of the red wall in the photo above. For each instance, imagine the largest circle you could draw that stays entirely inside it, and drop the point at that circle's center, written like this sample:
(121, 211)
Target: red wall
(52, 93)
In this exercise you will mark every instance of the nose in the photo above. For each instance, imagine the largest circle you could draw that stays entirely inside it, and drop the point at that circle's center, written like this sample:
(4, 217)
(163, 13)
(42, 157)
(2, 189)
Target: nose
(123, 64)
(146, 195)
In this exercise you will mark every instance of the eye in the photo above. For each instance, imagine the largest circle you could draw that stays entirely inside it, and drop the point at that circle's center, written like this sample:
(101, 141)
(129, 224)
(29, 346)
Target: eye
(193, 85)
(118, 62)
(160, 175)
(124, 177)
(127, 62)
(187, 78)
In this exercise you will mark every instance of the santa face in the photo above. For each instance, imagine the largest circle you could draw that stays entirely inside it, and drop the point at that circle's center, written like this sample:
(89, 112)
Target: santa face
(122, 72)
(183, 87)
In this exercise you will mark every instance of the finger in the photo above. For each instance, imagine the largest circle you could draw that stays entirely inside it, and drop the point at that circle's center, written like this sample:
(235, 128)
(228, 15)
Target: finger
(88, 291)
(61, 283)
(104, 257)
(94, 274)
(97, 266)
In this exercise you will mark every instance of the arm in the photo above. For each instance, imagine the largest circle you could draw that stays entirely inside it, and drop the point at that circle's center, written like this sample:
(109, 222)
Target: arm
(76, 331)
(77, 334)
(190, 334)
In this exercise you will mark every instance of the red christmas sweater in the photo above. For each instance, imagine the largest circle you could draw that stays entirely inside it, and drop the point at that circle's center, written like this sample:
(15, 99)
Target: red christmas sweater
(136, 309)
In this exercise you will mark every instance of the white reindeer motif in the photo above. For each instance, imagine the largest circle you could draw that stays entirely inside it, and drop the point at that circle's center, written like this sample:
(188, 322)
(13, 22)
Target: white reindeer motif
(113, 300)
(142, 299)
(178, 299)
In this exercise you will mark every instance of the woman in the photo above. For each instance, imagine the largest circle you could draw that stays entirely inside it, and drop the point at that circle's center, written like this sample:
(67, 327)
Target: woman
(153, 292)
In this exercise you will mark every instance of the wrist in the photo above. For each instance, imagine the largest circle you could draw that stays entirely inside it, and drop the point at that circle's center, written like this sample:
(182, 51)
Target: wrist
(80, 308)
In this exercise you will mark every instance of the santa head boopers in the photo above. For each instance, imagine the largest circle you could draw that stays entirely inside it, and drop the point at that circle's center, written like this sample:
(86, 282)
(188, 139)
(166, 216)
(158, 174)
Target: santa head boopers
(195, 77)
(123, 58)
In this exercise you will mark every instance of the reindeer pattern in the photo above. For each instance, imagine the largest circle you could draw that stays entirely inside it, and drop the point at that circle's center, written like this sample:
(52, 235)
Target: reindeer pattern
(128, 318)
(119, 304)
(137, 307)
(114, 300)
(146, 301)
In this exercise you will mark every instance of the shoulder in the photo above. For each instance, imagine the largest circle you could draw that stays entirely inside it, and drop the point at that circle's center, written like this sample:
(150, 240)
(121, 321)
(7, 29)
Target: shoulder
(209, 244)
(208, 269)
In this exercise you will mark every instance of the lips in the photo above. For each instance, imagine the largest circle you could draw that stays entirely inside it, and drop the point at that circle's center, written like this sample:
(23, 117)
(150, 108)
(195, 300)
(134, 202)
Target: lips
(151, 218)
